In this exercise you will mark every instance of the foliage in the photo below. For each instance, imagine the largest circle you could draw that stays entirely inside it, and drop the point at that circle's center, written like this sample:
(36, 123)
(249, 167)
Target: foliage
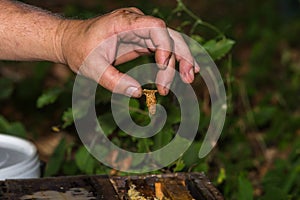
(12, 128)
(257, 156)
(6, 87)
(245, 189)
(218, 49)
(57, 159)
(48, 97)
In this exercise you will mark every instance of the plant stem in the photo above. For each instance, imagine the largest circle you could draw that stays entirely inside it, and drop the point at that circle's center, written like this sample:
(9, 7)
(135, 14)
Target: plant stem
(198, 21)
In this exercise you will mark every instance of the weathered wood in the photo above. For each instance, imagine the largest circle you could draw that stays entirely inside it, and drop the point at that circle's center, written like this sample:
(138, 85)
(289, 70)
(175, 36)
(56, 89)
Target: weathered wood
(142, 187)
(175, 189)
(179, 186)
(66, 188)
(201, 188)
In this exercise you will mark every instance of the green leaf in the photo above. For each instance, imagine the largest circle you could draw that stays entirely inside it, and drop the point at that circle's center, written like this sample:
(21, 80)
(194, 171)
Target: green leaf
(174, 114)
(17, 129)
(70, 168)
(221, 176)
(218, 49)
(48, 97)
(198, 38)
(107, 123)
(4, 124)
(78, 110)
(273, 192)
(123, 104)
(144, 145)
(245, 189)
(85, 162)
(67, 118)
(190, 157)
(133, 105)
(56, 161)
(201, 167)
(13, 128)
(163, 138)
(6, 88)
(179, 165)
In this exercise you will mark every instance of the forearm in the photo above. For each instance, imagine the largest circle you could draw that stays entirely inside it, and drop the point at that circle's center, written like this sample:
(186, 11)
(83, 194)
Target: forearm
(29, 33)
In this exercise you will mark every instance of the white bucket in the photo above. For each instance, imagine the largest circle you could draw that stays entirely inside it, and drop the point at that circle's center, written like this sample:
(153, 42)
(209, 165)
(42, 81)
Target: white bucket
(18, 158)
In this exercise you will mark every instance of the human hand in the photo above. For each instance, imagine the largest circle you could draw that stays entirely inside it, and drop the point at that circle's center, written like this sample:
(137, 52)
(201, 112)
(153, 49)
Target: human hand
(131, 32)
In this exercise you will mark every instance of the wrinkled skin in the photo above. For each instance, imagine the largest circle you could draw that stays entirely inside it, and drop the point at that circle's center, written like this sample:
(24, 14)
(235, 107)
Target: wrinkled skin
(146, 35)
(29, 33)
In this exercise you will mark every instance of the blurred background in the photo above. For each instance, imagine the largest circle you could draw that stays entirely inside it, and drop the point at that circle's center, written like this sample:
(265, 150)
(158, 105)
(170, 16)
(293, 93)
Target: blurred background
(256, 46)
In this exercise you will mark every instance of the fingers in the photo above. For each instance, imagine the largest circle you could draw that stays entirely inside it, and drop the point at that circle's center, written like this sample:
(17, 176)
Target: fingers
(164, 42)
(129, 10)
(136, 10)
(117, 82)
(164, 77)
(97, 68)
(128, 52)
(152, 33)
(149, 32)
(187, 64)
(139, 35)
(164, 46)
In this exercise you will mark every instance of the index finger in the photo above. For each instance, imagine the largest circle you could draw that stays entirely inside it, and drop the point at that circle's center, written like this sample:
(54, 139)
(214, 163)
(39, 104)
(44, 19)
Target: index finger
(153, 33)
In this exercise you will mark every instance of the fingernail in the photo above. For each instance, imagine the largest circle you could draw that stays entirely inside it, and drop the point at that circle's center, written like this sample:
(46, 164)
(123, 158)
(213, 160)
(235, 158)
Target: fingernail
(132, 91)
(163, 67)
(166, 63)
(191, 74)
(167, 88)
(197, 69)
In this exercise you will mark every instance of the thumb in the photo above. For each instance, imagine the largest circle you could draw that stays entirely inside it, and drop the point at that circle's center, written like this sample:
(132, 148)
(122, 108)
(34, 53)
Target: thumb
(118, 82)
